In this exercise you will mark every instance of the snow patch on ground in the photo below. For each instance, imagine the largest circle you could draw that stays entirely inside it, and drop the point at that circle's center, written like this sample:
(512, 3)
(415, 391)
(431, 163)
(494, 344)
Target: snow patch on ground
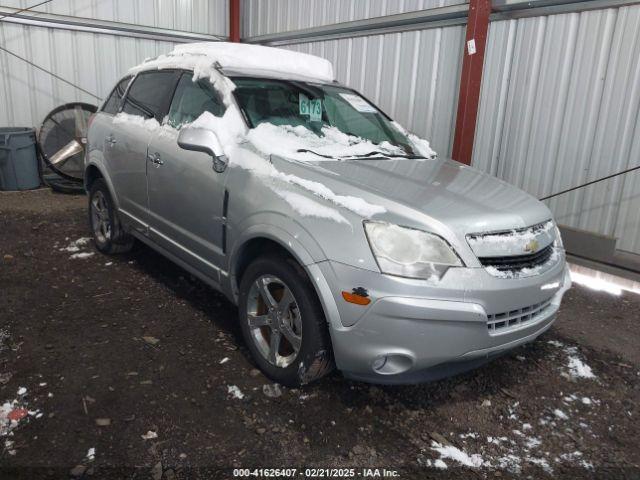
(454, 453)
(150, 435)
(76, 245)
(82, 255)
(91, 454)
(560, 414)
(438, 463)
(12, 414)
(75, 248)
(542, 463)
(235, 392)
(577, 368)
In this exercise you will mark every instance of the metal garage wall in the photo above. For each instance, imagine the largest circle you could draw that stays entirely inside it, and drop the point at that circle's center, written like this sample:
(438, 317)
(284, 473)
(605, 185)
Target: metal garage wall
(90, 60)
(202, 16)
(413, 76)
(560, 107)
(261, 17)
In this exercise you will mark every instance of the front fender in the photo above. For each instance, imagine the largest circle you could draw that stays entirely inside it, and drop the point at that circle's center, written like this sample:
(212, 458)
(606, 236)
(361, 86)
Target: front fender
(301, 246)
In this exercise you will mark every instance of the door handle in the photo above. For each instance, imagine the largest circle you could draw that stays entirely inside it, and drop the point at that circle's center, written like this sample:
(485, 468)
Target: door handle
(155, 158)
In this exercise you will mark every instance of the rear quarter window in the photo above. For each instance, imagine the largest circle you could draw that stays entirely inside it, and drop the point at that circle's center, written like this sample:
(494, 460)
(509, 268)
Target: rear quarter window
(150, 94)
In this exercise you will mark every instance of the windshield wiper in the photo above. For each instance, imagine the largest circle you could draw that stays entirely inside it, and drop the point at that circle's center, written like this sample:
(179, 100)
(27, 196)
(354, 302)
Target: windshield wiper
(304, 150)
(375, 155)
(386, 155)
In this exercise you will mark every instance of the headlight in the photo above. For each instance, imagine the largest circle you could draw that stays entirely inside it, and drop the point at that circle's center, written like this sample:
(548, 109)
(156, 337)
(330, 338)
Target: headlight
(408, 252)
(558, 241)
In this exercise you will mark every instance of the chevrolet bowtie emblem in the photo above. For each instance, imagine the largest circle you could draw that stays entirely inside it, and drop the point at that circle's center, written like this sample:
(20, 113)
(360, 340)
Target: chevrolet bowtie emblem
(532, 246)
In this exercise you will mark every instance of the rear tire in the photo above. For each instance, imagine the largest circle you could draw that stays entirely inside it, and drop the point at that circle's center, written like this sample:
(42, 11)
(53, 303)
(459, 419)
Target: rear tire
(288, 309)
(108, 234)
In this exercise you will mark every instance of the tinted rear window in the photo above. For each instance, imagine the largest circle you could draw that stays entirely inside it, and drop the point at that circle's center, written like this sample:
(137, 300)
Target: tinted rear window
(150, 94)
(113, 103)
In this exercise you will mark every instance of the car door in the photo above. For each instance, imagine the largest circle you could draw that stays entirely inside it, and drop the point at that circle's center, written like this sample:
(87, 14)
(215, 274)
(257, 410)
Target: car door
(145, 104)
(102, 125)
(186, 195)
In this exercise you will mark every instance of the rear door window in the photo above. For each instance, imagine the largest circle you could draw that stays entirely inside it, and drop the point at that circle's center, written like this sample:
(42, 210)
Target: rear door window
(192, 99)
(150, 94)
(113, 103)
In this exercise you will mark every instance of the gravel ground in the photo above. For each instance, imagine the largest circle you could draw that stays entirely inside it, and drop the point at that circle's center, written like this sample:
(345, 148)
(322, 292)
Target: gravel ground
(127, 367)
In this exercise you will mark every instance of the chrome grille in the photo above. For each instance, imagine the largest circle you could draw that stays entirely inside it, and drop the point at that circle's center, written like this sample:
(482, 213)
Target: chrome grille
(518, 262)
(505, 321)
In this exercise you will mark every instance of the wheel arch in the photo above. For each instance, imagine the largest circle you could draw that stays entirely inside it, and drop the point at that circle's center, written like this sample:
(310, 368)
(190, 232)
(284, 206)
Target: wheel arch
(93, 172)
(261, 238)
(265, 242)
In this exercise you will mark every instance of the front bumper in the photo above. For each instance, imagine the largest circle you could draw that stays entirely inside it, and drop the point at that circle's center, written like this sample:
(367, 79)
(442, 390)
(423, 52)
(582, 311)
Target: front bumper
(414, 331)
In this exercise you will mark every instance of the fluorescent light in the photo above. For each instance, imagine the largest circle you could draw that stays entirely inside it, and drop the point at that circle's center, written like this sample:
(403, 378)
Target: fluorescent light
(601, 281)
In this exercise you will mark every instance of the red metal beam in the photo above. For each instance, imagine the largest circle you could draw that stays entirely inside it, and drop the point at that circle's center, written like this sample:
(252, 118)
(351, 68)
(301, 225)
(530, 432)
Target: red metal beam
(234, 20)
(470, 80)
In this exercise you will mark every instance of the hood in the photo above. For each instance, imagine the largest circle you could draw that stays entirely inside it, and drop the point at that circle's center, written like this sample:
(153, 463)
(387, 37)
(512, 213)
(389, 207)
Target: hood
(462, 198)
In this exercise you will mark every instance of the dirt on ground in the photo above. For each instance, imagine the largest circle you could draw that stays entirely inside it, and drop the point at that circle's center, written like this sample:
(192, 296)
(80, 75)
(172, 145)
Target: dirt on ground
(127, 367)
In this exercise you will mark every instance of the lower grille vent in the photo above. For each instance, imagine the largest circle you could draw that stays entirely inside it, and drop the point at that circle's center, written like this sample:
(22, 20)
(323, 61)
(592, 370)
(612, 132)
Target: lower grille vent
(500, 322)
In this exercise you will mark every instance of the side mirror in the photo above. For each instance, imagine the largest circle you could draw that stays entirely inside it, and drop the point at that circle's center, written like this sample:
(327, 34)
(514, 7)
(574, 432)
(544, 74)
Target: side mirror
(202, 140)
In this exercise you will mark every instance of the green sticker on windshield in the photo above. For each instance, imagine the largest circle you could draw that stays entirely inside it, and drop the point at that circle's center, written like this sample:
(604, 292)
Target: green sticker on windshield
(303, 102)
(315, 107)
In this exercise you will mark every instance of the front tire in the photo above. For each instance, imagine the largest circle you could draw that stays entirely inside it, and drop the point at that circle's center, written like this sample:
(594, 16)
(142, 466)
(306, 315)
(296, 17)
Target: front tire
(282, 322)
(108, 234)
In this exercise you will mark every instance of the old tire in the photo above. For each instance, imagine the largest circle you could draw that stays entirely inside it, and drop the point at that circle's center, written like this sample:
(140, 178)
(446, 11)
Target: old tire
(279, 310)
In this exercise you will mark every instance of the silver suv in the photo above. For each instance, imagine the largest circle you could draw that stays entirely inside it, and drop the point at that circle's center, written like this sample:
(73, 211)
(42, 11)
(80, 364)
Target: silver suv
(343, 239)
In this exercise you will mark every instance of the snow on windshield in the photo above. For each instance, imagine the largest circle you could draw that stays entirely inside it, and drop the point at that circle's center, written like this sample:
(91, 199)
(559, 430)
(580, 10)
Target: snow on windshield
(287, 141)
(421, 145)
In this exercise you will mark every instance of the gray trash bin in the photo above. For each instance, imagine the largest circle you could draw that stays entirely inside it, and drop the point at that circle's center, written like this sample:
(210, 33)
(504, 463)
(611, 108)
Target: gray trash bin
(18, 159)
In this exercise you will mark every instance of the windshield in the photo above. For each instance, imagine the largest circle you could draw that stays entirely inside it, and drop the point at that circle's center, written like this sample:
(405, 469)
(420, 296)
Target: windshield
(321, 109)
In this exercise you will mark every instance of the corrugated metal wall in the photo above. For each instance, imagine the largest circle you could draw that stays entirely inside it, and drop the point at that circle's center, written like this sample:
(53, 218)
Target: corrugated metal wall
(560, 107)
(201, 16)
(413, 76)
(559, 103)
(92, 61)
(261, 17)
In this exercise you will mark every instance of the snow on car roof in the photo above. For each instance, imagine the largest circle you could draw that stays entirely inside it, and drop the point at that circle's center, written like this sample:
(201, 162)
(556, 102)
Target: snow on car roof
(242, 57)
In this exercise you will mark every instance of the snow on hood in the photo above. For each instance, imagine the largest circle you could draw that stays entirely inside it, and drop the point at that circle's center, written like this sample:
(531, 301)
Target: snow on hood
(286, 141)
(229, 130)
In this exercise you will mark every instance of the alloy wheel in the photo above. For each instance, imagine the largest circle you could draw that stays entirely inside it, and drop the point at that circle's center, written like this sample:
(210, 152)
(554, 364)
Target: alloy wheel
(100, 219)
(274, 320)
